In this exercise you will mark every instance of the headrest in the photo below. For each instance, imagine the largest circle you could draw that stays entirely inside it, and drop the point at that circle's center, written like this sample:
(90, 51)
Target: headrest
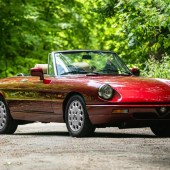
(43, 66)
(82, 65)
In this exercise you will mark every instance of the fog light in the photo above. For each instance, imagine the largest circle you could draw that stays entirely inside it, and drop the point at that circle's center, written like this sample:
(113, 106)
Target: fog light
(163, 109)
(120, 111)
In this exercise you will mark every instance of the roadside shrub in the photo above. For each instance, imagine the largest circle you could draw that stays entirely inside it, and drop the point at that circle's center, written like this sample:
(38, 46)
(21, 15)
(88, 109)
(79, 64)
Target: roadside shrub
(157, 69)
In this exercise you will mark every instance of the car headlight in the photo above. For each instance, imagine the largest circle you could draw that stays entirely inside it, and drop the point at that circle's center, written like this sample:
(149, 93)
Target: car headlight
(105, 91)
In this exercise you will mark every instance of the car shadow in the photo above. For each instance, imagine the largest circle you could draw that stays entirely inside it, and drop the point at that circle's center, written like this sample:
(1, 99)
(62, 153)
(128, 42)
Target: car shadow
(57, 133)
(96, 134)
(122, 135)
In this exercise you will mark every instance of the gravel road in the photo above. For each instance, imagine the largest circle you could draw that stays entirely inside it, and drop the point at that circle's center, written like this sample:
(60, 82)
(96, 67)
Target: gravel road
(49, 147)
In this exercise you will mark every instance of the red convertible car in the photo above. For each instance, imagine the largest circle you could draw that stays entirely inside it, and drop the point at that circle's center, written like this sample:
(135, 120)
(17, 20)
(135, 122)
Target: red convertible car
(86, 89)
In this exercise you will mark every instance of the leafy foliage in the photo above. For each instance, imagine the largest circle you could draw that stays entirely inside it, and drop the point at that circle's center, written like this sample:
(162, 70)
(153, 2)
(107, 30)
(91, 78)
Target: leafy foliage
(142, 28)
(30, 29)
(155, 68)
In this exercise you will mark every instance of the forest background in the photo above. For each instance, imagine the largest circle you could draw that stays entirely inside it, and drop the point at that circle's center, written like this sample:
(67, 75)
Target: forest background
(138, 31)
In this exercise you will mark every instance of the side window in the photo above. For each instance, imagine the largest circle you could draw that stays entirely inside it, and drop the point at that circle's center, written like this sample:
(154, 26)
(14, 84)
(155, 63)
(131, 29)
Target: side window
(50, 66)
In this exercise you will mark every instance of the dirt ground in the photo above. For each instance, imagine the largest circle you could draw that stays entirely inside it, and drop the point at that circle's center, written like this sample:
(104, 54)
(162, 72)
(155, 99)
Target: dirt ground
(49, 147)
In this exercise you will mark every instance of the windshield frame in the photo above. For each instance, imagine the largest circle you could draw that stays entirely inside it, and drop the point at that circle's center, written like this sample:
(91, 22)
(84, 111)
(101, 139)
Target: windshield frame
(121, 64)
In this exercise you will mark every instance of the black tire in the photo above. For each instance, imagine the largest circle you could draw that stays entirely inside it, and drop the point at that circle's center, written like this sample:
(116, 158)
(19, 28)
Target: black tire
(77, 119)
(7, 124)
(162, 130)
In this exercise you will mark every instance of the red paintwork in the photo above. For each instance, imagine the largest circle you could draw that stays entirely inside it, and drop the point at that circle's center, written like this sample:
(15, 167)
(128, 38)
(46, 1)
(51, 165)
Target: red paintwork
(139, 90)
(128, 89)
(46, 81)
(42, 100)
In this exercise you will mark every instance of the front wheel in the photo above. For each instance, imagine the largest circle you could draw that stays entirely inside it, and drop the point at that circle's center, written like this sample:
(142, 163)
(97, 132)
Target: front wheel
(7, 124)
(76, 118)
(162, 130)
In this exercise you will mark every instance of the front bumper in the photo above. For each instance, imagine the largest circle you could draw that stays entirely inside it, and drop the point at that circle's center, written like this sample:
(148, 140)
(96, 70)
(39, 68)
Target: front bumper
(114, 114)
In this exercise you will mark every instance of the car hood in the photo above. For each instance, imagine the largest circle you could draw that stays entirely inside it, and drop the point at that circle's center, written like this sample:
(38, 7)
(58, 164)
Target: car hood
(138, 89)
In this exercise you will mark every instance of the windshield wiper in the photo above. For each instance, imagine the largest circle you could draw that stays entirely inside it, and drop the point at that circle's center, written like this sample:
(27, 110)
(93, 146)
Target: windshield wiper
(74, 72)
(80, 72)
(92, 73)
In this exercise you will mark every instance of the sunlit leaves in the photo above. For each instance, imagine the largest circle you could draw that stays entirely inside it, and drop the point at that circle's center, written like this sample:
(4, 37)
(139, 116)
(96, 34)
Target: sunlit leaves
(155, 68)
(144, 25)
(30, 29)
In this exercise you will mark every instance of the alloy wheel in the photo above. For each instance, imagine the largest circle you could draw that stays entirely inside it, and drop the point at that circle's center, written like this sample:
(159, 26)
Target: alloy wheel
(75, 116)
(3, 115)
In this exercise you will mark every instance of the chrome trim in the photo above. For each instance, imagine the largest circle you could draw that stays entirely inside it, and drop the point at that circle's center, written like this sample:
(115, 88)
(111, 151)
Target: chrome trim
(129, 105)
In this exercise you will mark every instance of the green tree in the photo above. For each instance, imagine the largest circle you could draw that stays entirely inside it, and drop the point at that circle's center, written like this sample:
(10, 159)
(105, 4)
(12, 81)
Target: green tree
(30, 29)
(139, 29)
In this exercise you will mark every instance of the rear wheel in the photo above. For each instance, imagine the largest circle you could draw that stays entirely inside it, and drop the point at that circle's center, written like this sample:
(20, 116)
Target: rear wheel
(76, 118)
(162, 130)
(7, 124)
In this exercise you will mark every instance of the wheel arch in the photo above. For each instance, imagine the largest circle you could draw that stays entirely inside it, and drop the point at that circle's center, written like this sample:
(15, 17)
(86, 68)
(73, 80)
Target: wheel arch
(2, 94)
(69, 95)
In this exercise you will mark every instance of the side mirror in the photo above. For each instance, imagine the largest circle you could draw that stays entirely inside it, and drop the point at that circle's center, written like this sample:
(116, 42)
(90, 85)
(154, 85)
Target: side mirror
(37, 72)
(135, 71)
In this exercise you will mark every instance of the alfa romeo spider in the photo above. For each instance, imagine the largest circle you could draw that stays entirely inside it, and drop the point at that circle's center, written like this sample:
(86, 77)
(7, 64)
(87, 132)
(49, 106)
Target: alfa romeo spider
(86, 89)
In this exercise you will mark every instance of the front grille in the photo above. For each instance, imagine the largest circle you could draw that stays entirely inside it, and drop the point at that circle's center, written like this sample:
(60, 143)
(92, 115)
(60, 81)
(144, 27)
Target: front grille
(144, 115)
(152, 115)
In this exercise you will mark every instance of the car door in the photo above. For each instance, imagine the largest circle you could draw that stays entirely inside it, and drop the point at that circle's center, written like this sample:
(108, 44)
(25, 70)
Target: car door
(29, 98)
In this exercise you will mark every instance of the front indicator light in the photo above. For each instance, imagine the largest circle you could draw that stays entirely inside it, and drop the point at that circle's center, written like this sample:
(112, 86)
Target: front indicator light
(120, 111)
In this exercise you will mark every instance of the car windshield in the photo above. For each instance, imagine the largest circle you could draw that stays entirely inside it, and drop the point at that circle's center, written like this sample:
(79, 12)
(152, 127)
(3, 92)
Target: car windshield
(90, 63)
